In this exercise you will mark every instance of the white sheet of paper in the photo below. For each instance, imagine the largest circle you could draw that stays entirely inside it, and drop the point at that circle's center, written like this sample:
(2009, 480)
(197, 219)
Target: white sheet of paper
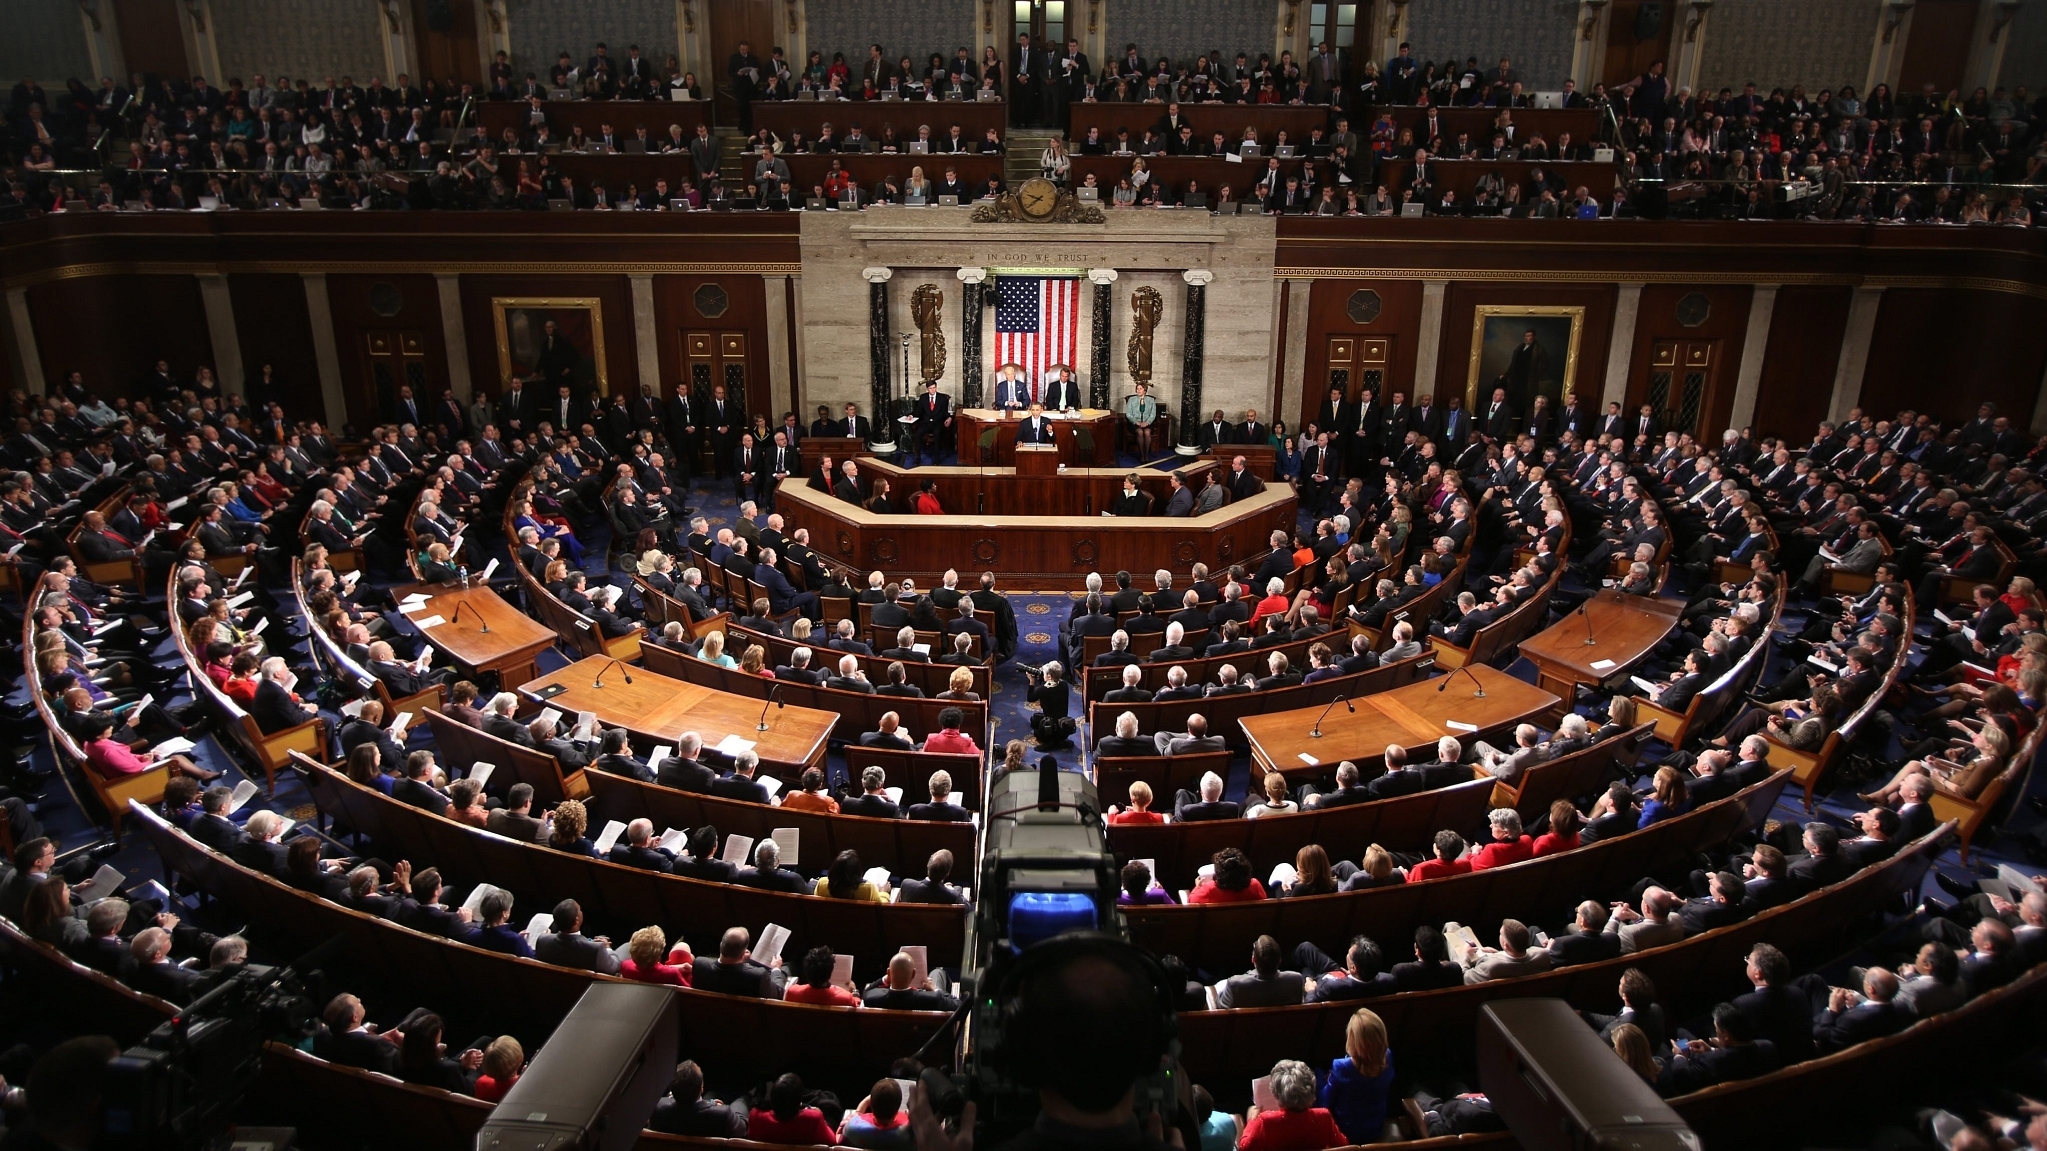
(1454, 725)
(260, 625)
(769, 947)
(175, 504)
(921, 648)
(417, 597)
(349, 578)
(1262, 1096)
(789, 841)
(172, 746)
(895, 795)
(773, 785)
(738, 850)
(1942, 616)
(732, 745)
(104, 882)
(1601, 664)
(1823, 665)
(397, 728)
(586, 724)
(411, 608)
(429, 621)
(241, 599)
(480, 772)
(1309, 759)
(539, 925)
(673, 838)
(921, 958)
(489, 568)
(353, 708)
(1283, 875)
(878, 876)
(2017, 880)
(660, 756)
(609, 839)
(842, 970)
(284, 826)
(1644, 684)
(552, 715)
(244, 792)
(477, 895)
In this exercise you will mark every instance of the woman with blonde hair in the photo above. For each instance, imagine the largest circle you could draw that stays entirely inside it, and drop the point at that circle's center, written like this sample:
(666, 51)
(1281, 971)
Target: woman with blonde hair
(754, 661)
(959, 687)
(1965, 781)
(1375, 869)
(570, 820)
(1632, 1045)
(651, 961)
(1361, 1082)
(1275, 801)
(1620, 717)
(502, 1062)
(712, 650)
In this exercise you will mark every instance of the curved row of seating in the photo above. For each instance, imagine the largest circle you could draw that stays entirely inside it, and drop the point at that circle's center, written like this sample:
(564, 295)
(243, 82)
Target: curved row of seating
(1215, 936)
(1223, 712)
(113, 792)
(1691, 975)
(527, 998)
(257, 749)
(613, 893)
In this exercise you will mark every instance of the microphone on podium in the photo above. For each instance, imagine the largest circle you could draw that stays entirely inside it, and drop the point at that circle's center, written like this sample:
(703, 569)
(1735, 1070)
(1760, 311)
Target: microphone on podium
(482, 624)
(1589, 641)
(774, 700)
(1343, 699)
(1466, 669)
(617, 663)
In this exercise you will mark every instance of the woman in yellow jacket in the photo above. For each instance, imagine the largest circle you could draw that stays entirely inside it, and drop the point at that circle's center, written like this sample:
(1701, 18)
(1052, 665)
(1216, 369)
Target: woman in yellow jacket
(846, 879)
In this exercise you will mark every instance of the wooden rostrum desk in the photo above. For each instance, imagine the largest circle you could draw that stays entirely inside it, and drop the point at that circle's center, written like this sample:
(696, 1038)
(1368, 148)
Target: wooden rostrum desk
(1043, 531)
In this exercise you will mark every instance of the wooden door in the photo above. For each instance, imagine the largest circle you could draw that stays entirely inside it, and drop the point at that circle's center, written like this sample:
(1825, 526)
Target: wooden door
(710, 358)
(449, 52)
(1684, 376)
(1637, 35)
(1354, 363)
(1045, 20)
(733, 21)
(390, 358)
(153, 39)
(1937, 45)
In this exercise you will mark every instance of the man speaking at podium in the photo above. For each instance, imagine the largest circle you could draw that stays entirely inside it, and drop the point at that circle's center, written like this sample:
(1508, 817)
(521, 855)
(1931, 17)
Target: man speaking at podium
(1035, 429)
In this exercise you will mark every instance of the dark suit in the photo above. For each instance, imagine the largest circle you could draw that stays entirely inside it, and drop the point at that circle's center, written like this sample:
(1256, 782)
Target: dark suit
(686, 775)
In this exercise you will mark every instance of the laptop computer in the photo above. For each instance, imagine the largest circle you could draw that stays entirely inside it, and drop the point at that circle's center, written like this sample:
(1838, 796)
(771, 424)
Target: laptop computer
(560, 94)
(948, 201)
(915, 202)
(1229, 209)
(633, 148)
(1089, 195)
(1287, 152)
(678, 204)
(271, 202)
(806, 94)
(816, 204)
(887, 97)
(1410, 211)
(561, 206)
(1549, 99)
(920, 147)
(682, 96)
(310, 204)
(985, 94)
(599, 148)
(1195, 200)
(1250, 151)
(209, 203)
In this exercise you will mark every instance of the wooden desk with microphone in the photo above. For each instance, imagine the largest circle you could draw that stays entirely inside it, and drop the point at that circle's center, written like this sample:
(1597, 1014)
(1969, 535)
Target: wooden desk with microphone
(1604, 637)
(1415, 716)
(659, 709)
(479, 631)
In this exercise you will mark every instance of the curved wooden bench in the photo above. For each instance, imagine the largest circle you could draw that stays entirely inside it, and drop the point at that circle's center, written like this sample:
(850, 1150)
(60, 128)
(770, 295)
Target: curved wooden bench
(346, 670)
(1810, 767)
(930, 678)
(1705, 708)
(1224, 711)
(267, 751)
(113, 793)
(1227, 1046)
(1214, 936)
(630, 897)
(1497, 638)
(462, 746)
(92, 1002)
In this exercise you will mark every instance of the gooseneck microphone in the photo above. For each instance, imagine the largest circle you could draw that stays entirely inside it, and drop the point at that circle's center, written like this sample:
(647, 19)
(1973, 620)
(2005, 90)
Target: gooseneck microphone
(774, 700)
(617, 663)
(1466, 669)
(1586, 616)
(482, 624)
(1343, 699)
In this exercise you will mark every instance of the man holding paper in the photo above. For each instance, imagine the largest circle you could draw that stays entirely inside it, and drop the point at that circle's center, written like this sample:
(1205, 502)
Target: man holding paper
(409, 678)
(639, 849)
(735, 971)
(900, 990)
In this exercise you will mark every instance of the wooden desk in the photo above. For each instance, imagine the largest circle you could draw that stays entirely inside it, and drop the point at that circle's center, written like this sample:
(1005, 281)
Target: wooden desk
(1624, 629)
(494, 116)
(1039, 531)
(1418, 714)
(509, 648)
(1100, 425)
(1296, 120)
(975, 117)
(661, 709)
(807, 171)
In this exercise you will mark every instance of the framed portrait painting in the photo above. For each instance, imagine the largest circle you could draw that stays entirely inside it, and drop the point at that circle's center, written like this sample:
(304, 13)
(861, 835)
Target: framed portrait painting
(1529, 351)
(548, 341)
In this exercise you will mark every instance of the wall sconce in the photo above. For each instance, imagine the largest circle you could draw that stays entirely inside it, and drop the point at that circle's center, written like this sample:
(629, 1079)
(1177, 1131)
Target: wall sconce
(988, 16)
(792, 15)
(197, 11)
(92, 13)
(689, 17)
(1293, 10)
(1895, 12)
(390, 9)
(1591, 26)
(496, 16)
(1395, 15)
(1094, 16)
(2006, 9)
(1695, 18)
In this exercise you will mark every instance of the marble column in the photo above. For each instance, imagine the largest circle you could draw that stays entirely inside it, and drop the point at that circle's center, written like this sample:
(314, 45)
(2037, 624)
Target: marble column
(1620, 350)
(29, 364)
(326, 354)
(781, 372)
(973, 288)
(448, 286)
(1098, 339)
(220, 329)
(1190, 365)
(877, 343)
(1429, 352)
(1854, 352)
(1749, 378)
(647, 339)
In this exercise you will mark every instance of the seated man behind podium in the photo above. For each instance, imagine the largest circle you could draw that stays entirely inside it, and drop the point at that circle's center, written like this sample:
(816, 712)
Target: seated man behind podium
(871, 801)
(767, 874)
(741, 785)
(889, 736)
(639, 849)
(683, 771)
(1211, 804)
(735, 972)
(940, 808)
(1194, 741)
(1126, 742)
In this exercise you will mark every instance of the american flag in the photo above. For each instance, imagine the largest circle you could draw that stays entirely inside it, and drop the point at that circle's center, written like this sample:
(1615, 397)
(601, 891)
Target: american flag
(1037, 324)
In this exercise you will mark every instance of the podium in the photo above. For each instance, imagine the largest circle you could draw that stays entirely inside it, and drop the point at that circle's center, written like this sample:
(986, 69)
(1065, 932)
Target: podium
(1037, 459)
